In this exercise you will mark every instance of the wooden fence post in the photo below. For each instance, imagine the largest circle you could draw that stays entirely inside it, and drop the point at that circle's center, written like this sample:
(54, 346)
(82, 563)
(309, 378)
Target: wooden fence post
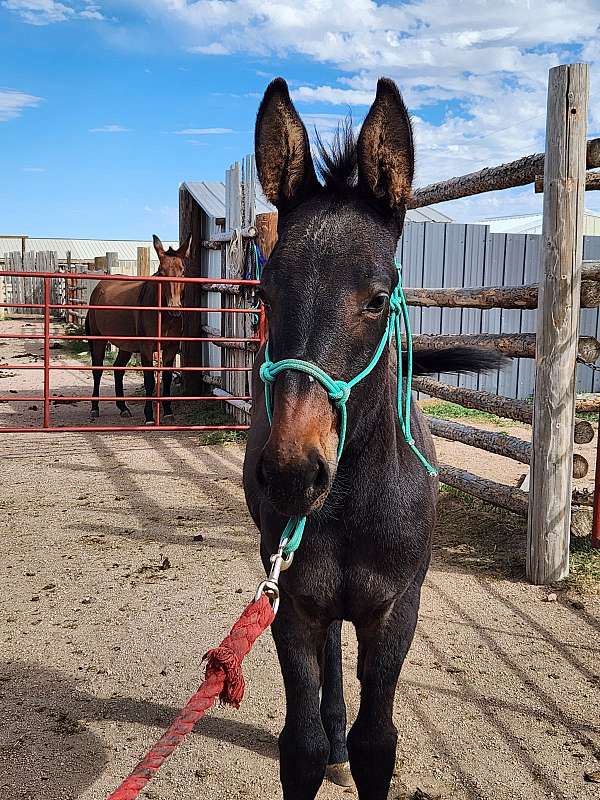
(112, 263)
(143, 261)
(548, 527)
(266, 232)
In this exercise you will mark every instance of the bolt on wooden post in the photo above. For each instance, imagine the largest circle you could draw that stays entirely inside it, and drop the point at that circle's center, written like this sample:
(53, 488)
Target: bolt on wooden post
(549, 518)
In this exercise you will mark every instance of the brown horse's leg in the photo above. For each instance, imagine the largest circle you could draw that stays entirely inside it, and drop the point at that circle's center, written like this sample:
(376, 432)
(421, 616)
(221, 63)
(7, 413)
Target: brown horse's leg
(149, 384)
(167, 380)
(121, 360)
(97, 351)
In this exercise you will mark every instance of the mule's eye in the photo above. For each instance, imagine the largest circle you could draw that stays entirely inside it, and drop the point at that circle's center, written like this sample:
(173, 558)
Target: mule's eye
(377, 303)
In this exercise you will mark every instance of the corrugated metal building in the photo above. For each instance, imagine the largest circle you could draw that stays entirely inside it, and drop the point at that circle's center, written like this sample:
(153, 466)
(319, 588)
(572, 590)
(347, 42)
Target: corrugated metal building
(81, 249)
(210, 196)
(532, 223)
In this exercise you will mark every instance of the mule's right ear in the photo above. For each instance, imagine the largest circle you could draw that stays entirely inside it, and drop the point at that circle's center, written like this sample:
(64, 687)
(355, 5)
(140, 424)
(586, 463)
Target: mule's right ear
(158, 246)
(283, 160)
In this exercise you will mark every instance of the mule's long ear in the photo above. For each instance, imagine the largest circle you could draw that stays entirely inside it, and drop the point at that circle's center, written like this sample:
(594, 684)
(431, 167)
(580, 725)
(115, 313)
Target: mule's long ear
(285, 166)
(158, 246)
(185, 246)
(386, 156)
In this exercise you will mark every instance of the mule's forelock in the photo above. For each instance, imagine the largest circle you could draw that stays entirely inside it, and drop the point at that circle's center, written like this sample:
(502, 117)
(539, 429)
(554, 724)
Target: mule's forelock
(338, 162)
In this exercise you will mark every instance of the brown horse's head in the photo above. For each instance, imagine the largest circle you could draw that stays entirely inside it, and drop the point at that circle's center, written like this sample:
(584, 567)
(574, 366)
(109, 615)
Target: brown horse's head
(172, 265)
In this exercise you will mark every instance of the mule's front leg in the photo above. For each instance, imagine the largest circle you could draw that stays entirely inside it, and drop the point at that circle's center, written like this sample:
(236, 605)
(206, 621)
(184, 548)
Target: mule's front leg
(303, 743)
(372, 739)
(333, 707)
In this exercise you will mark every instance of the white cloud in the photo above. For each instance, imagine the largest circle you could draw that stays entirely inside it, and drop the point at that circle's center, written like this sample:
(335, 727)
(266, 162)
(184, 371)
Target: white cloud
(13, 102)
(46, 12)
(40, 12)
(110, 129)
(33, 169)
(90, 13)
(213, 49)
(474, 72)
(203, 131)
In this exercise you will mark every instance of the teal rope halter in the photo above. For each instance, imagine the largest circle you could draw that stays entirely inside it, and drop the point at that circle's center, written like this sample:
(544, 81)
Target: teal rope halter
(339, 392)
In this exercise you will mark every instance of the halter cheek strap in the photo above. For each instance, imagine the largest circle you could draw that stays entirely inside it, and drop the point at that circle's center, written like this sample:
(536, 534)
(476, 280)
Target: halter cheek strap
(339, 393)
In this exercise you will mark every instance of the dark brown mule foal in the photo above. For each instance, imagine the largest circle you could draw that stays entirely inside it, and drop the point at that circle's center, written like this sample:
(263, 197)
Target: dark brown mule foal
(119, 325)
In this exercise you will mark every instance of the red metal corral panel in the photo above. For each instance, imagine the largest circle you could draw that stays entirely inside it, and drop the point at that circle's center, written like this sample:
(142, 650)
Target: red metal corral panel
(49, 367)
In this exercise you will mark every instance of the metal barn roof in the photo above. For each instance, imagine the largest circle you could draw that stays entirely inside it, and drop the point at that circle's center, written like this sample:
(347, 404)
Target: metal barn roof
(84, 249)
(210, 196)
(427, 214)
(532, 223)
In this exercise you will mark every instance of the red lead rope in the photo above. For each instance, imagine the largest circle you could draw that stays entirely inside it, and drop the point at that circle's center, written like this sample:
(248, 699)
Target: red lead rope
(223, 679)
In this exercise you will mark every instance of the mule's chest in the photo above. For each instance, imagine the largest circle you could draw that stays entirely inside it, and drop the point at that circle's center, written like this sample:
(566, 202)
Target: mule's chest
(346, 573)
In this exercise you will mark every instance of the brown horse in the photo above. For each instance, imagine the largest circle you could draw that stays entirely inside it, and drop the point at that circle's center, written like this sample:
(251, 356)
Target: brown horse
(120, 325)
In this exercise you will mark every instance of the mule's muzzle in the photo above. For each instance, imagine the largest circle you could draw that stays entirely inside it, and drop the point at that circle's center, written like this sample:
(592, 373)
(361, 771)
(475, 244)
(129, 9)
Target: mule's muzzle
(295, 484)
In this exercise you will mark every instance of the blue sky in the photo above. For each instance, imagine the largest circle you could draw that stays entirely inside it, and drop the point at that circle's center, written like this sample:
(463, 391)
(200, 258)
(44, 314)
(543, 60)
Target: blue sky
(105, 107)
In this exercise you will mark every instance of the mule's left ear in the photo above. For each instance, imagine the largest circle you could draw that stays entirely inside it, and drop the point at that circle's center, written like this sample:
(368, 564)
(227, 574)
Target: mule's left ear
(158, 246)
(184, 248)
(283, 160)
(386, 156)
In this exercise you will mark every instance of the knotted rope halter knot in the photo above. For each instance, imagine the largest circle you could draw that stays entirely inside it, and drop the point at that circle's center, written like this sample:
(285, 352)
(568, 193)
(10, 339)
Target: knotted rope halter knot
(339, 391)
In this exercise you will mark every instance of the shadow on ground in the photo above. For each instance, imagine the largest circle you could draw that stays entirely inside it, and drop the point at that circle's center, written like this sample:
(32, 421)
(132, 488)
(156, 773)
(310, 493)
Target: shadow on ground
(47, 749)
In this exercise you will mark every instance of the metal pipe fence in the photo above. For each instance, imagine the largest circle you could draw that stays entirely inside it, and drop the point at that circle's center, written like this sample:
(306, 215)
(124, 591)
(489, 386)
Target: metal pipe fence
(48, 308)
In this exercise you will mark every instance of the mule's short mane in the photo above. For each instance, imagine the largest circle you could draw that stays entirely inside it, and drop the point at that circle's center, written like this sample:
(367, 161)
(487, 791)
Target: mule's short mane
(337, 162)
(170, 252)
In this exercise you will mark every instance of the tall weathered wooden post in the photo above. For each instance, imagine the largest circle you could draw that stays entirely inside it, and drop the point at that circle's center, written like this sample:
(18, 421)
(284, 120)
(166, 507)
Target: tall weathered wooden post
(558, 319)
(143, 261)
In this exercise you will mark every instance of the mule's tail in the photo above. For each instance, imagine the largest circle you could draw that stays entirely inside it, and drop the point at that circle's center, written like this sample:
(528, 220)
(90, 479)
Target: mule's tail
(456, 359)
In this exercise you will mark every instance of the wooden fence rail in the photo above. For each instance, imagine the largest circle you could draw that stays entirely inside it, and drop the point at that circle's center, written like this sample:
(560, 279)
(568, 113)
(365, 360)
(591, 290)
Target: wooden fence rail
(518, 410)
(493, 296)
(506, 176)
(512, 345)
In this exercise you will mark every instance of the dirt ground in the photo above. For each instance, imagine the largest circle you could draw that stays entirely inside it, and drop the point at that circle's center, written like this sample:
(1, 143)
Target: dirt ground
(127, 555)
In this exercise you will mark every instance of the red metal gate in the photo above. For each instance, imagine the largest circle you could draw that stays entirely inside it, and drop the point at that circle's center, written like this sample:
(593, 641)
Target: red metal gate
(47, 309)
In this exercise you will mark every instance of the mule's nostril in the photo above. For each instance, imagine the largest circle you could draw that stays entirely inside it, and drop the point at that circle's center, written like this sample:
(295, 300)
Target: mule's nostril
(295, 482)
(319, 469)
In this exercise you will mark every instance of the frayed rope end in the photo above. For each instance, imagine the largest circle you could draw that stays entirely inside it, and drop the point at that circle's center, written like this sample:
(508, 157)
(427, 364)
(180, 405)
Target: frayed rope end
(225, 660)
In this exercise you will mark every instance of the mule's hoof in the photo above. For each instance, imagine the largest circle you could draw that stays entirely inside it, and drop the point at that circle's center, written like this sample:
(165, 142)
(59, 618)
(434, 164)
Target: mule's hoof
(126, 412)
(168, 419)
(149, 422)
(340, 774)
(94, 413)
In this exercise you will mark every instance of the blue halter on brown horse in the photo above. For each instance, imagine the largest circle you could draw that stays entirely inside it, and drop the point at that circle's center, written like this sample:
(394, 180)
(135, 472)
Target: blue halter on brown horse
(120, 324)
(329, 455)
